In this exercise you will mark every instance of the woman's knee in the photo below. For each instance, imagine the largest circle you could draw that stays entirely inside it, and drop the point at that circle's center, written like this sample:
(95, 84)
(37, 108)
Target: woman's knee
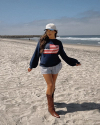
(50, 85)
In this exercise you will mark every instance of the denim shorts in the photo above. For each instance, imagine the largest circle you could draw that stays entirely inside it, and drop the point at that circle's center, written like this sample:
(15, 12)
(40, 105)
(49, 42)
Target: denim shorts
(51, 70)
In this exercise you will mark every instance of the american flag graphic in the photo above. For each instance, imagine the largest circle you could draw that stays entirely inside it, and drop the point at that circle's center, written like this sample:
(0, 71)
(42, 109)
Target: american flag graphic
(52, 49)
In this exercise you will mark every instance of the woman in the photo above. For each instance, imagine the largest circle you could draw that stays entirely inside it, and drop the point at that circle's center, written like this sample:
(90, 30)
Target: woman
(48, 49)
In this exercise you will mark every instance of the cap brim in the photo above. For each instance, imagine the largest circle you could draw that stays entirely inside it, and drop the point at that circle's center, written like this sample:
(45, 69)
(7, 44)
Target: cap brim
(49, 29)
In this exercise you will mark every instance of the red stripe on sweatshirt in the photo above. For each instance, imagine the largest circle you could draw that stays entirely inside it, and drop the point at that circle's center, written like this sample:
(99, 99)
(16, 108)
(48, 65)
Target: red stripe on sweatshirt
(53, 49)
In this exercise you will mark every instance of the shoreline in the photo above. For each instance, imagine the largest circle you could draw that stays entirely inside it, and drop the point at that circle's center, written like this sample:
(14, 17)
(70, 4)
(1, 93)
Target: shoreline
(74, 46)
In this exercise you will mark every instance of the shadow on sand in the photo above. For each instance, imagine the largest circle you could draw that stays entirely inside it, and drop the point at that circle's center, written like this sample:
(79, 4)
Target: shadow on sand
(74, 107)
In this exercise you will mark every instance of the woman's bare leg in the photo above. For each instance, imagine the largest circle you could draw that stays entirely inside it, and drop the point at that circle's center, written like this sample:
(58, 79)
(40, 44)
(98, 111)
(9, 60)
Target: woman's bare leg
(49, 80)
(54, 76)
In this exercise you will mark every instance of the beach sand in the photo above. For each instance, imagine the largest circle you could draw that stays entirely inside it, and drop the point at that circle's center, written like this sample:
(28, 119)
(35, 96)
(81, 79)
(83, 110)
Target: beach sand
(23, 94)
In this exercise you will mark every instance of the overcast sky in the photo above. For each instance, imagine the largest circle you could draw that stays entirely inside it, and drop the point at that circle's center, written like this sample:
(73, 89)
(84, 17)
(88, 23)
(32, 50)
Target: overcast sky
(29, 17)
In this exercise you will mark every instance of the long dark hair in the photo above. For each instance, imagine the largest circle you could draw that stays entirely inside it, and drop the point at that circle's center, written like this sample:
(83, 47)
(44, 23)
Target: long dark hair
(43, 40)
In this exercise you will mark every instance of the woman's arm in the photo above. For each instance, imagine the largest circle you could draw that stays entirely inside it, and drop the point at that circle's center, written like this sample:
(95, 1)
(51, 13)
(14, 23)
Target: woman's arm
(35, 58)
(68, 60)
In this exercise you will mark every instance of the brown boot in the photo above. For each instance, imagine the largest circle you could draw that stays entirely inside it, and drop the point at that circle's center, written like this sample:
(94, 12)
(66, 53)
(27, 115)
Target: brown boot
(53, 97)
(51, 106)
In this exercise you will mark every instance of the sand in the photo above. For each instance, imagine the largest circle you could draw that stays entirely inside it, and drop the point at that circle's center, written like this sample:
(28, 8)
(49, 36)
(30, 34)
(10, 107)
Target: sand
(23, 94)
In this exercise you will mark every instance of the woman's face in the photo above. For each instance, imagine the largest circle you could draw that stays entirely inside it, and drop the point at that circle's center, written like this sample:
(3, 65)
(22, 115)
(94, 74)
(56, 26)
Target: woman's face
(51, 34)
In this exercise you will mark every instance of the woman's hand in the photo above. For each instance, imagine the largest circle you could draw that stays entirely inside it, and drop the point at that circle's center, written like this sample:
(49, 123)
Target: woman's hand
(29, 69)
(78, 64)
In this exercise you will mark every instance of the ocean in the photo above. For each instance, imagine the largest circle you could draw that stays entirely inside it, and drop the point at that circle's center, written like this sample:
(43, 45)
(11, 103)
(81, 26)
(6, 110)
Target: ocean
(93, 40)
(81, 39)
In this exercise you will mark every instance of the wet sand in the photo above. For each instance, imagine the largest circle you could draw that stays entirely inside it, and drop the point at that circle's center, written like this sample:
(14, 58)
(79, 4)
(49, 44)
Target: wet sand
(23, 94)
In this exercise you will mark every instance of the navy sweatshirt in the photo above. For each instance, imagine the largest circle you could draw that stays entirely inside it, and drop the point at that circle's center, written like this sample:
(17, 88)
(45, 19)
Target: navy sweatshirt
(50, 57)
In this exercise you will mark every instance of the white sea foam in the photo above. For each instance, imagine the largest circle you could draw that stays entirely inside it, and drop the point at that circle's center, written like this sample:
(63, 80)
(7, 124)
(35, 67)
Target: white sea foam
(75, 38)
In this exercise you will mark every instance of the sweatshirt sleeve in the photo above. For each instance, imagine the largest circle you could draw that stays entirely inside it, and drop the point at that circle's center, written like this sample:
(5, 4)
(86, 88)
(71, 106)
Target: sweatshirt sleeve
(35, 58)
(68, 60)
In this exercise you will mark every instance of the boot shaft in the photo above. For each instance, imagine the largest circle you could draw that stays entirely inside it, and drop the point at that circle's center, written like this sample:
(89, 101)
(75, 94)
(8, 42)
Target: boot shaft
(51, 106)
(50, 100)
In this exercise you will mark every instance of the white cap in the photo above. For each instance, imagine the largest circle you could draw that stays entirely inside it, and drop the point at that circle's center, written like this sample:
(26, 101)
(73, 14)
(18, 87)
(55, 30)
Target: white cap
(50, 26)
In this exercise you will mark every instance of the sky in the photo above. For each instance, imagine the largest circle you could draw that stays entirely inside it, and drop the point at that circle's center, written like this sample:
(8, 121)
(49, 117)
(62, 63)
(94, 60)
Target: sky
(29, 17)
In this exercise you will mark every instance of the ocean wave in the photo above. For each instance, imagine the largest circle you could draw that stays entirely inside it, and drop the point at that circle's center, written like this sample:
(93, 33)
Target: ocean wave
(74, 38)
